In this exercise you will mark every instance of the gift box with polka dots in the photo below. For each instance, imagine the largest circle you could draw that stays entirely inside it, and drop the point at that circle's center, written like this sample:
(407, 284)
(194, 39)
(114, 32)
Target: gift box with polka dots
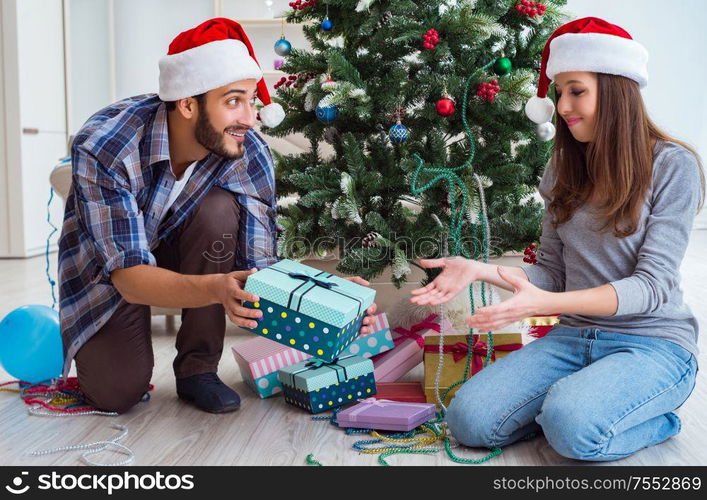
(306, 309)
(380, 340)
(316, 385)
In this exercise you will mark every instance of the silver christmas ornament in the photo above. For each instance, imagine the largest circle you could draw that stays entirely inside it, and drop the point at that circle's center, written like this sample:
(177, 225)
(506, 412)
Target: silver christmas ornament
(545, 131)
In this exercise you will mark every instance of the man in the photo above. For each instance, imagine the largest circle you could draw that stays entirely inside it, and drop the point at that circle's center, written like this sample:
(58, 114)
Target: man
(173, 205)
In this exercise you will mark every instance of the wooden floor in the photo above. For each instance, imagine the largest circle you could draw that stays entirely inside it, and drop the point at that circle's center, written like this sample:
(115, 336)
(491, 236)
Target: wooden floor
(164, 431)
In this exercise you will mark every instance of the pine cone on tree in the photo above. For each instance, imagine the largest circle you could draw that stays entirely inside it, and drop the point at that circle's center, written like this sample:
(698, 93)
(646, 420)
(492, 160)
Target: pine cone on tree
(385, 19)
(369, 241)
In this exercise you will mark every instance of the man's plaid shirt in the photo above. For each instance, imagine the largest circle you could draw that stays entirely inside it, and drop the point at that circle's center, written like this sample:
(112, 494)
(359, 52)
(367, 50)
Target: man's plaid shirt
(121, 179)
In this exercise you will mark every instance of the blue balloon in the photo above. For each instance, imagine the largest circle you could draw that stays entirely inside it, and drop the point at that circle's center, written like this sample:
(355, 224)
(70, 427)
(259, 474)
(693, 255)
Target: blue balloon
(30, 343)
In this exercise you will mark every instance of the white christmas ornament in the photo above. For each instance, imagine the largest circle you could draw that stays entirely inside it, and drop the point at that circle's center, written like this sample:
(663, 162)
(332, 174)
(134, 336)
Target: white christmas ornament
(539, 110)
(545, 131)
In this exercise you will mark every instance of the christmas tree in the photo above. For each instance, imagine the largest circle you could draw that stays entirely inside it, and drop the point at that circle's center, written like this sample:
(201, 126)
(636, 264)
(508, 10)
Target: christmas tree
(385, 86)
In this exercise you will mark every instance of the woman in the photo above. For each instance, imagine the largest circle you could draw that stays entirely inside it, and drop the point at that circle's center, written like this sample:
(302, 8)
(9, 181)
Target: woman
(620, 197)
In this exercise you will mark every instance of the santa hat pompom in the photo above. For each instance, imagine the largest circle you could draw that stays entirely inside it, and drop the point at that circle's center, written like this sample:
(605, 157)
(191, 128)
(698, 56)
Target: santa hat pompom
(272, 115)
(540, 109)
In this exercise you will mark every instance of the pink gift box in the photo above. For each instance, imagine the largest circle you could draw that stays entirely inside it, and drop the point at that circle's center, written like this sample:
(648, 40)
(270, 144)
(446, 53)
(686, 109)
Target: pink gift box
(260, 359)
(407, 354)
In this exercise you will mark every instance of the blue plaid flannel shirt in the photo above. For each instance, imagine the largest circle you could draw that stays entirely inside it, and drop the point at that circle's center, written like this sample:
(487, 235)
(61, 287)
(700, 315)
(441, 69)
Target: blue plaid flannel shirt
(121, 179)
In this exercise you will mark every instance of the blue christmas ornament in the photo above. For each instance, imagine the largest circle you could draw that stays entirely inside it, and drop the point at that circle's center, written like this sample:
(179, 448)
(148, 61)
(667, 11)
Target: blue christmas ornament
(283, 47)
(398, 133)
(327, 25)
(327, 114)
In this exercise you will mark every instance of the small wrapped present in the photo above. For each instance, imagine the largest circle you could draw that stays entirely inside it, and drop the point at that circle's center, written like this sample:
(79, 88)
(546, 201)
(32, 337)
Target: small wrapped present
(407, 353)
(317, 385)
(386, 415)
(538, 326)
(455, 352)
(375, 343)
(259, 360)
(407, 392)
(307, 309)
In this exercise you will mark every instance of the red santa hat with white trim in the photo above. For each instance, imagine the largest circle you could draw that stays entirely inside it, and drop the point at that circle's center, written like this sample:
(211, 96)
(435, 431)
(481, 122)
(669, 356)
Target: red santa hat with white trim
(587, 44)
(214, 54)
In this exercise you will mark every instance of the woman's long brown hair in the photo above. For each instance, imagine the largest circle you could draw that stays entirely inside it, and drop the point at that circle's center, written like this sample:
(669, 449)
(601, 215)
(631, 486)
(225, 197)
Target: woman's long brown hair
(615, 169)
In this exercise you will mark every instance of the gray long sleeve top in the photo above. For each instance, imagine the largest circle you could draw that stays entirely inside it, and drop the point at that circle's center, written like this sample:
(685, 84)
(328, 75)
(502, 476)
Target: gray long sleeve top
(643, 268)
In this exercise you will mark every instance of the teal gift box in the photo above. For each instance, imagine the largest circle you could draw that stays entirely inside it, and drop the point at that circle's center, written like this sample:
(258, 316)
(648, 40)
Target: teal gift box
(309, 310)
(318, 386)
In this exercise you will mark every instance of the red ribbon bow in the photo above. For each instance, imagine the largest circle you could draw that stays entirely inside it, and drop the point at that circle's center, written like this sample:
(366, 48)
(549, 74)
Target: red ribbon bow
(479, 350)
(427, 323)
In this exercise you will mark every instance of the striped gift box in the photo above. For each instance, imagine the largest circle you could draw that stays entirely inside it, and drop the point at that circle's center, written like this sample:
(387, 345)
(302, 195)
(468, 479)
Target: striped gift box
(259, 357)
(372, 344)
(380, 322)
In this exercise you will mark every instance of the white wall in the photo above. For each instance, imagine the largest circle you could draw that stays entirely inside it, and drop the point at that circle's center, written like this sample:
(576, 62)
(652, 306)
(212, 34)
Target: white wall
(141, 39)
(90, 83)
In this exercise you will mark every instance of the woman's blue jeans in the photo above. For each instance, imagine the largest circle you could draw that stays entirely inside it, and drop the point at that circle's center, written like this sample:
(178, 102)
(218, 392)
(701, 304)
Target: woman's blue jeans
(596, 395)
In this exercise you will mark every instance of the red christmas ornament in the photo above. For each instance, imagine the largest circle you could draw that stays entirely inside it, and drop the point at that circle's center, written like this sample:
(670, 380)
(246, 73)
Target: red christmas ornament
(445, 107)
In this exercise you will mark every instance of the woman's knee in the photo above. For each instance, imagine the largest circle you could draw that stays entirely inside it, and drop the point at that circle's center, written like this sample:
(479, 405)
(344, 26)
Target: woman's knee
(569, 428)
(474, 419)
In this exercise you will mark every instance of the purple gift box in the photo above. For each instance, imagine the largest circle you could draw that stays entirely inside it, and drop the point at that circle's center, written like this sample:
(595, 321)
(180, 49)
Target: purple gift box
(386, 415)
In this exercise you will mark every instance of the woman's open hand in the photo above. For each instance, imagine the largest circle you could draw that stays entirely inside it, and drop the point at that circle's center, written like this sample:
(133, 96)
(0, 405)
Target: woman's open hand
(457, 273)
(528, 300)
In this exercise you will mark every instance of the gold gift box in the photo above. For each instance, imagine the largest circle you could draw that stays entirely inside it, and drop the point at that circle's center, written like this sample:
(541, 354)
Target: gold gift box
(453, 371)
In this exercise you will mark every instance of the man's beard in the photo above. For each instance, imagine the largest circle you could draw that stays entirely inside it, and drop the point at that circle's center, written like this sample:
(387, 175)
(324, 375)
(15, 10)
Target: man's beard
(211, 139)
